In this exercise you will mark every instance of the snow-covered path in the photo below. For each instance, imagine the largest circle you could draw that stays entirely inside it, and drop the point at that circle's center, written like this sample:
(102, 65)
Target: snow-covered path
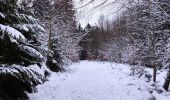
(93, 81)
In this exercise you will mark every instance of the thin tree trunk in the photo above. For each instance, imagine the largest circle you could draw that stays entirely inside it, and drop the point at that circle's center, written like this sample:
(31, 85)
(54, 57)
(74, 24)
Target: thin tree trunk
(49, 38)
(152, 38)
(154, 73)
(167, 81)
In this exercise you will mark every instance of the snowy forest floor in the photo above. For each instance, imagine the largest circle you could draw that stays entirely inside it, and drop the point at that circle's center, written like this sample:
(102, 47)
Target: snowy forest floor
(98, 81)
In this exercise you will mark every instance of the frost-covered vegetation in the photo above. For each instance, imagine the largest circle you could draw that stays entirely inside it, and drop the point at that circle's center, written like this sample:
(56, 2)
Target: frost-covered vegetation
(138, 35)
(39, 38)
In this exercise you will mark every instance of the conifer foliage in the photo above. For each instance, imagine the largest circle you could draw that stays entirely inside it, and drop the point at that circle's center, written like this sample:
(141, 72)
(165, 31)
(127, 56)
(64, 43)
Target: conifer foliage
(19, 51)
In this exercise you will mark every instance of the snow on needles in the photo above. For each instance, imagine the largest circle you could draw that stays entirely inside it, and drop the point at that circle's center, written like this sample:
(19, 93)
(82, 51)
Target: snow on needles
(33, 51)
(11, 31)
(2, 15)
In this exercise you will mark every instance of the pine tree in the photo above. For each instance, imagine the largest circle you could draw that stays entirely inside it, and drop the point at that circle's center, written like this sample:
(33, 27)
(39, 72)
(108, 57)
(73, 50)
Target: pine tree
(92, 43)
(19, 49)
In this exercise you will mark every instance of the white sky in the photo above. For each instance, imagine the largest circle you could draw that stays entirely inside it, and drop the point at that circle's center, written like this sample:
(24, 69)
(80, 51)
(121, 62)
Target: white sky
(90, 15)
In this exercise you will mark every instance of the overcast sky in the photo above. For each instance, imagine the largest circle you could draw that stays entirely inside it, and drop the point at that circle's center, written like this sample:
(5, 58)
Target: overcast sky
(88, 14)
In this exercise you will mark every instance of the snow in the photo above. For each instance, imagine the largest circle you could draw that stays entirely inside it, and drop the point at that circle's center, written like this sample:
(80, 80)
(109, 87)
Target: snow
(33, 51)
(38, 69)
(16, 69)
(11, 31)
(2, 15)
(97, 81)
(24, 27)
(29, 27)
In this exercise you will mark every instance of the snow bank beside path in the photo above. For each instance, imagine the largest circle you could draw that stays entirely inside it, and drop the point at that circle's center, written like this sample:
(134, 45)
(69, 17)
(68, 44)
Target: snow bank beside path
(96, 81)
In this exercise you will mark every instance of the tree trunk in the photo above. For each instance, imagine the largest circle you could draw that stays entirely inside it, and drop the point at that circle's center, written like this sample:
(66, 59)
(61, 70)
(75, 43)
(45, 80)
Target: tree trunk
(49, 38)
(167, 81)
(154, 73)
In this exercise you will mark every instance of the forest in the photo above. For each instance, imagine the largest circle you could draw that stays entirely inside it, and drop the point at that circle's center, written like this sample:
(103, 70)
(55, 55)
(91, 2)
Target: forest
(84, 49)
